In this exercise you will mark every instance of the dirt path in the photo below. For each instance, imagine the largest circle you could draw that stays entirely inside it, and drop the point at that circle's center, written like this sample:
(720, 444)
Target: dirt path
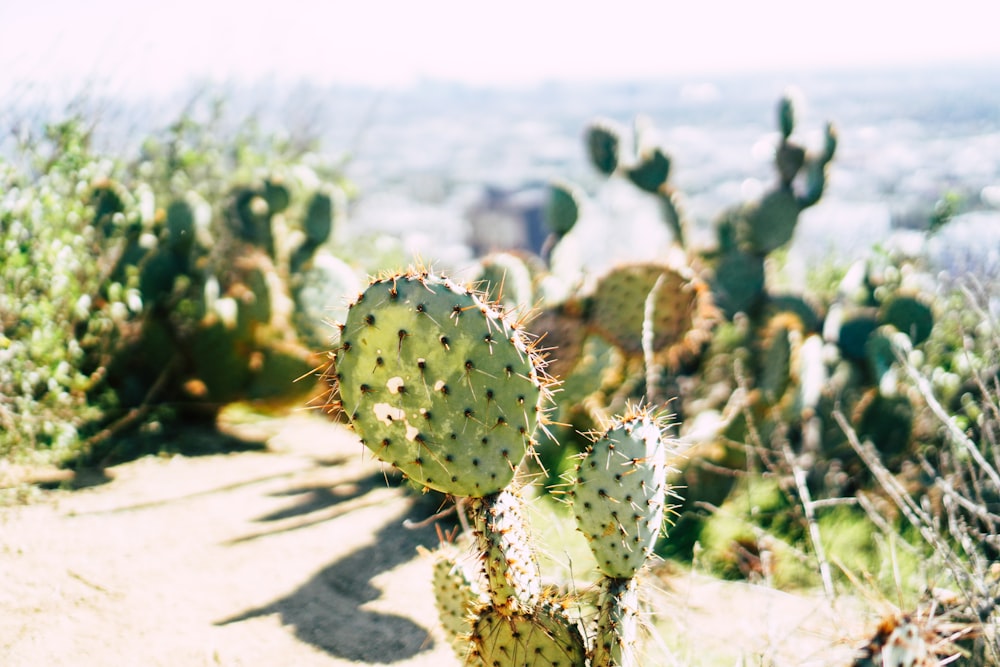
(295, 555)
(279, 557)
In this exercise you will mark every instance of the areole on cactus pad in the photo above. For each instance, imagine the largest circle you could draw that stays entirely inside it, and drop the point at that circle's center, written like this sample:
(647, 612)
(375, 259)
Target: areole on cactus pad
(439, 382)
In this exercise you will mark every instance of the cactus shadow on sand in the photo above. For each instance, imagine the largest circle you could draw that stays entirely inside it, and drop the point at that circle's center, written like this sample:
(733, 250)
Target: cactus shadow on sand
(328, 610)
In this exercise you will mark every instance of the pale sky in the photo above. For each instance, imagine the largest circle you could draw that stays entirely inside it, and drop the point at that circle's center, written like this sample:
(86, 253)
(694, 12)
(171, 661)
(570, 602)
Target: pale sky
(129, 46)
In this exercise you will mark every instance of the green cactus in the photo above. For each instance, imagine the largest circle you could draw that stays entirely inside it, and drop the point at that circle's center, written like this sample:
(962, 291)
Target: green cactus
(442, 385)
(683, 313)
(910, 315)
(514, 584)
(562, 209)
(457, 596)
(620, 492)
(603, 141)
(543, 637)
(318, 223)
(673, 216)
(250, 217)
(816, 170)
(775, 371)
(157, 274)
(738, 282)
(886, 420)
(215, 359)
(108, 200)
(771, 222)
(796, 306)
(855, 329)
(619, 499)
(786, 116)
(439, 383)
(277, 195)
(616, 637)
(651, 172)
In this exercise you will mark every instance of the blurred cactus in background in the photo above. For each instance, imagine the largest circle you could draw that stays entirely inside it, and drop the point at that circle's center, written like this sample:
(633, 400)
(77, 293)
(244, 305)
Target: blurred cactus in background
(181, 273)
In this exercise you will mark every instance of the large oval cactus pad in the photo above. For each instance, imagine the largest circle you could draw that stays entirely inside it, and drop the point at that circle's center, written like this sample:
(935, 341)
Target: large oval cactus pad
(439, 383)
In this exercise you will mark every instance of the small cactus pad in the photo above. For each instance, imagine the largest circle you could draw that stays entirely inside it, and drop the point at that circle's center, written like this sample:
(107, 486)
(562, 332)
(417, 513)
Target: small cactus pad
(909, 315)
(786, 116)
(738, 282)
(771, 223)
(512, 574)
(651, 172)
(617, 624)
(456, 595)
(544, 637)
(319, 218)
(277, 195)
(562, 210)
(603, 146)
(855, 329)
(682, 309)
(620, 492)
(439, 383)
(180, 227)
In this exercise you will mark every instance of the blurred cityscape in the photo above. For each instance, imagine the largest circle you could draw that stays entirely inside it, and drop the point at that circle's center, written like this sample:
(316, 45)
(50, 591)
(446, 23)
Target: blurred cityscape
(454, 169)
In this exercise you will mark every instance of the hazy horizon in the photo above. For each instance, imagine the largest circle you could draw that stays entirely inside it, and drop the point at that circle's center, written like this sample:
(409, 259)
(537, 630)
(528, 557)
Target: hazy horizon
(127, 50)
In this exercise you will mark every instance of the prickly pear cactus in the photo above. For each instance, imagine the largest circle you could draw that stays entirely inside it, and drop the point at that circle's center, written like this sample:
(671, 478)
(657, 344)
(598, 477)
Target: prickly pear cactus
(457, 596)
(910, 315)
(620, 493)
(543, 637)
(682, 311)
(562, 209)
(439, 383)
(603, 145)
(651, 172)
(771, 222)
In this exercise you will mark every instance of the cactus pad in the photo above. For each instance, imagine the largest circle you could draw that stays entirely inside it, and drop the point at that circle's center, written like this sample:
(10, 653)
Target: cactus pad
(738, 283)
(786, 116)
(855, 330)
(512, 574)
(319, 218)
(617, 624)
(620, 493)
(909, 315)
(651, 172)
(543, 637)
(562, 209)
(603, 146)
(683, 313)
(771, 223)
(439, 383)
(456, 596)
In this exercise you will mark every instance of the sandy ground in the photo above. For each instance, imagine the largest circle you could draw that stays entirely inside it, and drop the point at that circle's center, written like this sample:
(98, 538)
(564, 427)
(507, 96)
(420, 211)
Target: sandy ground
(295, 555)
